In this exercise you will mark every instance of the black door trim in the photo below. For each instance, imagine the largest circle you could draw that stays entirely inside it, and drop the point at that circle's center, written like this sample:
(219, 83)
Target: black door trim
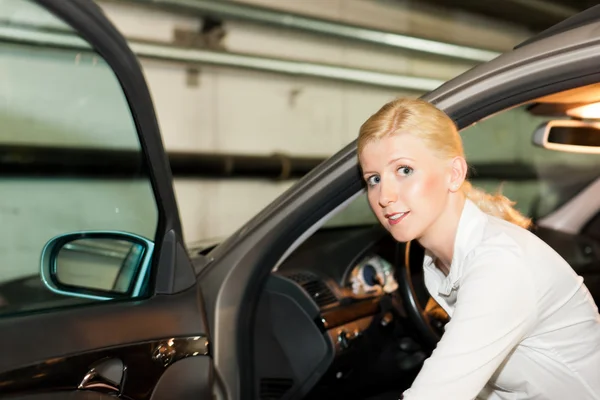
(142, 365)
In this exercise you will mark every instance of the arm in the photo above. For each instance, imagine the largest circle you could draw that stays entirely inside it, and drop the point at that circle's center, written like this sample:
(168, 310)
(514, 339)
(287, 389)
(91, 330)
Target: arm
(494, 310)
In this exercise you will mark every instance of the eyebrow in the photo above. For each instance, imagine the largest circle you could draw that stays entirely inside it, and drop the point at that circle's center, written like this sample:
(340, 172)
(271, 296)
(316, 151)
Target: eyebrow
(389, 163)
(398, 159)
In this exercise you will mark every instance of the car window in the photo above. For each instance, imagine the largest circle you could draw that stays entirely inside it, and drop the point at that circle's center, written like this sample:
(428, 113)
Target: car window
(502, 157)
(70, 163)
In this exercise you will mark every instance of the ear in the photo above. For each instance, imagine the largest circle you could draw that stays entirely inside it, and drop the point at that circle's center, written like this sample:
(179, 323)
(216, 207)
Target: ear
(458, 173)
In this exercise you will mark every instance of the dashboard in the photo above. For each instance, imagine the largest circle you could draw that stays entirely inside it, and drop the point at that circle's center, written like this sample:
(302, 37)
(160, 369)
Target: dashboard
(349, 274)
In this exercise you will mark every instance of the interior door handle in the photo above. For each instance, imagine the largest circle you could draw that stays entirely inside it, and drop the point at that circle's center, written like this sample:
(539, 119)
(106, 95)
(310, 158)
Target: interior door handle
(106, 375)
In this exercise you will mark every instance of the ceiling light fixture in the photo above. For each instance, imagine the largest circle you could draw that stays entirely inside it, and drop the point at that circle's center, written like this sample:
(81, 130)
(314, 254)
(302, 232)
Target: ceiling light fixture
(587, 111)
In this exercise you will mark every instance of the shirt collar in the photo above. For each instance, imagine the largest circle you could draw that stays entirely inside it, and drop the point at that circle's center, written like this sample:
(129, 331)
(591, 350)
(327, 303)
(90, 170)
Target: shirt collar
(468, 236)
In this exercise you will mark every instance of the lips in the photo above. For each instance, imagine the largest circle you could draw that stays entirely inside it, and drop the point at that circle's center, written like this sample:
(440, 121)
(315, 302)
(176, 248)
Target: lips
(395, 218)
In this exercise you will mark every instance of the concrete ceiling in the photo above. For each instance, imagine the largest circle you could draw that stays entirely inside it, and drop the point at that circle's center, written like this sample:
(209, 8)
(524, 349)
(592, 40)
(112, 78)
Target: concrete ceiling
(536, 15)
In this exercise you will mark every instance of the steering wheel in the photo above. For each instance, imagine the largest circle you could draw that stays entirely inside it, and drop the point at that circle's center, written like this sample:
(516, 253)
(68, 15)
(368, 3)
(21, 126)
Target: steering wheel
(427, 316)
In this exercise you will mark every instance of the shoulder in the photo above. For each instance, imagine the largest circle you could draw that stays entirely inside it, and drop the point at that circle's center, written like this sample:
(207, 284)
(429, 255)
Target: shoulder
(499, 231)
(501, 253)
(498, 276)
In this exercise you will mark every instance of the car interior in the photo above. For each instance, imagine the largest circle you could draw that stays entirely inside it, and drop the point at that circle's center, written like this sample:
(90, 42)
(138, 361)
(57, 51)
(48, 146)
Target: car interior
(347, 315)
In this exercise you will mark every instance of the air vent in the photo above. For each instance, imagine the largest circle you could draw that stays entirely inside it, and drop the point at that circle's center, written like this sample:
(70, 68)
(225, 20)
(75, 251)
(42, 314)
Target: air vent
(274, 388)
(316, 288)
(300, 277)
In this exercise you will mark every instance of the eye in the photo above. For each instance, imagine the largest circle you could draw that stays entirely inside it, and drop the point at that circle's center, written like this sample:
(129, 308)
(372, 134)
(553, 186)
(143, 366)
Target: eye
(405, 170)
(373, 180)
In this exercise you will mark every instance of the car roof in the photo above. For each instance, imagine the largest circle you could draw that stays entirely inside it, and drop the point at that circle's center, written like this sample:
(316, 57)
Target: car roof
(567, 56)
(588, 16)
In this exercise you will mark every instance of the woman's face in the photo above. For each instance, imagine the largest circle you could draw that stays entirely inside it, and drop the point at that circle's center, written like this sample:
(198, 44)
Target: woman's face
(407, 185)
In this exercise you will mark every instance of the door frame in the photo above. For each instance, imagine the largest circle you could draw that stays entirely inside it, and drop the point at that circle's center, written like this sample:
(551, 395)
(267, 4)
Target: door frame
(175, 309)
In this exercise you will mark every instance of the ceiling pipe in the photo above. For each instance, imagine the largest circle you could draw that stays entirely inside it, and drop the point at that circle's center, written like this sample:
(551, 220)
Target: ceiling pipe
(164, 52)
(237, 11)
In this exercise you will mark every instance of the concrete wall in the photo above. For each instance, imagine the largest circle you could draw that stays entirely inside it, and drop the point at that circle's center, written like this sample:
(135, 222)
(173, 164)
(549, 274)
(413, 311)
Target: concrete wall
(63, 99)
(258, 113)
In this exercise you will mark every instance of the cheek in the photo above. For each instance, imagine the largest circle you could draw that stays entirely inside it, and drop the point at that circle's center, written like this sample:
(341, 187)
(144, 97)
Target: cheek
(425, 189)
(373, 198)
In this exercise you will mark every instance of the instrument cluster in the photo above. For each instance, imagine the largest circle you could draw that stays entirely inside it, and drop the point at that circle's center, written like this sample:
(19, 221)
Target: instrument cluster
(373, 275)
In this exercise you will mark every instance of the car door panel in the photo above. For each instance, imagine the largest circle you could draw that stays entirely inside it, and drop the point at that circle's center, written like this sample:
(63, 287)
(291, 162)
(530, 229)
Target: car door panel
(145, 358)
(96, 327)
(161, 339)
(188, 379)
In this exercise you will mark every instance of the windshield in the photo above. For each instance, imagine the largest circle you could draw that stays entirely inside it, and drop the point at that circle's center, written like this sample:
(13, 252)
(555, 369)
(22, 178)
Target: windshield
(502, 156)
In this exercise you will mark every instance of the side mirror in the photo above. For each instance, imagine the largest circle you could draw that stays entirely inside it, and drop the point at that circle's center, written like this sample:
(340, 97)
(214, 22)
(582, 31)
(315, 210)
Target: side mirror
(100, 265)
(569, 136)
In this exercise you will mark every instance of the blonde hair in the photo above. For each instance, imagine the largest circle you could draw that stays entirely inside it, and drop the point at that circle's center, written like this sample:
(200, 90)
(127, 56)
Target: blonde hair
(439, 133)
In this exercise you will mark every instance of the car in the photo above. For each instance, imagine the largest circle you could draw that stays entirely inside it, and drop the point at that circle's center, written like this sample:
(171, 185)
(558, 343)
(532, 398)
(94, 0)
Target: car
(309, 299)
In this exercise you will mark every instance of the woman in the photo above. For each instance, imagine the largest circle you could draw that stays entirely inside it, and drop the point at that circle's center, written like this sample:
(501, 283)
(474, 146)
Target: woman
(522, 323)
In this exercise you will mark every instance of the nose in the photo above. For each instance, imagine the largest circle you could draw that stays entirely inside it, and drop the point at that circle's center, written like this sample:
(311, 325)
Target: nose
(387, 193)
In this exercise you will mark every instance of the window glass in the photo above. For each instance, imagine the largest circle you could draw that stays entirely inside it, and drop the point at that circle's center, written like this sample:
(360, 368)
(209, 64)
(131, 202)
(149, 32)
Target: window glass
(70, 157)
(502, 155)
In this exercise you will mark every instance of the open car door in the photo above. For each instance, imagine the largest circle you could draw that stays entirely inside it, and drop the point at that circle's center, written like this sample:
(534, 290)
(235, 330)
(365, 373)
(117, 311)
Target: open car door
(98, 297)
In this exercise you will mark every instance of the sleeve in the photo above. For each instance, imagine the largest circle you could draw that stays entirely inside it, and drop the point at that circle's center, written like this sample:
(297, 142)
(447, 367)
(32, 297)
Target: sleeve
(495, 308)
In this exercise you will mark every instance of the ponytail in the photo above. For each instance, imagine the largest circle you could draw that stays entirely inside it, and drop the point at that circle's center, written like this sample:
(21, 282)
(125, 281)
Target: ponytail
(496, 205)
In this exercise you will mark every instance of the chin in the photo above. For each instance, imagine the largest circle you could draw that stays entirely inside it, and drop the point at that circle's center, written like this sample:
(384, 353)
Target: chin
(401, 236)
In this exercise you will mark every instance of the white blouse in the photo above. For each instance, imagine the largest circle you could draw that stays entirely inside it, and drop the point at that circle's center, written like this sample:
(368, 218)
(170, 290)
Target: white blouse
(523, 324)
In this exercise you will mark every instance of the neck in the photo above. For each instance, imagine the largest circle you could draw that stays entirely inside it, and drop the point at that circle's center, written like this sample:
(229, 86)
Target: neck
(439, 238)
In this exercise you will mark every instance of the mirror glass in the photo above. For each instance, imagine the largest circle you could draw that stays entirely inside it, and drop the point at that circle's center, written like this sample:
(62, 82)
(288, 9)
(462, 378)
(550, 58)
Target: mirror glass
(569, 136)
(579, 135)
(99, 264)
